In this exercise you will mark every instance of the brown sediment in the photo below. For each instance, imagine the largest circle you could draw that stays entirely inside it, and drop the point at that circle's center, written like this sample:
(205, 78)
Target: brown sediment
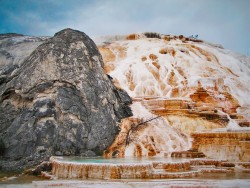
(153, 57)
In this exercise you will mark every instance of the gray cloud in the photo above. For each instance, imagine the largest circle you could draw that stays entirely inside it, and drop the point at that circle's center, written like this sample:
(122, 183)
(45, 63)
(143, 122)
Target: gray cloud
(219, 21)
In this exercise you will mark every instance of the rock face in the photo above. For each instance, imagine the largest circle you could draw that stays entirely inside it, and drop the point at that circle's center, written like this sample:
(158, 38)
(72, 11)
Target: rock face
(59, 102)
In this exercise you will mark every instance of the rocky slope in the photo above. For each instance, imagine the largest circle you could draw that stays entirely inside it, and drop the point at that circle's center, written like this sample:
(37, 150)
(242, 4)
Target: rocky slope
(56, 100)
(14, 48)
(194, 85)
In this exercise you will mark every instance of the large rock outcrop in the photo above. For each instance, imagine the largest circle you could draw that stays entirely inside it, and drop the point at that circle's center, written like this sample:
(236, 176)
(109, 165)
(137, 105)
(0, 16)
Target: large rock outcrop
(59, 102)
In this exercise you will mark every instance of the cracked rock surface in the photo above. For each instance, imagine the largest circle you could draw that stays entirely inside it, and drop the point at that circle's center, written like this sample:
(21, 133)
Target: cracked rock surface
(58, 102)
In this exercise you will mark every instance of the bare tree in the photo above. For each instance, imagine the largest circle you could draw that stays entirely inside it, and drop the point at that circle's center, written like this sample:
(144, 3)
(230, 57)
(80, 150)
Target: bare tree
(134, 129)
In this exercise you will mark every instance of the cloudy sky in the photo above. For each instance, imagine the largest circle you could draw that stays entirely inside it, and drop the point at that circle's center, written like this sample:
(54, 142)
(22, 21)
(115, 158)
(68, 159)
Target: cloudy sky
(226, 22)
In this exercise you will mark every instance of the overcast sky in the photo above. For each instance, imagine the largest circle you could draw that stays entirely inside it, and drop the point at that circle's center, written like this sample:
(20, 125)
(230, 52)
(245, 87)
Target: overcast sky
(226, 22)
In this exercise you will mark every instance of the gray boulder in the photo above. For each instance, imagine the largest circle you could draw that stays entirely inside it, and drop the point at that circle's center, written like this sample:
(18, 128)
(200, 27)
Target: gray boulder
(58, 102)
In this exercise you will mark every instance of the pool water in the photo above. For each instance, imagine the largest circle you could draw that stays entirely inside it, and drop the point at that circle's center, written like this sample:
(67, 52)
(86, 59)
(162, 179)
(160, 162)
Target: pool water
(117, 160)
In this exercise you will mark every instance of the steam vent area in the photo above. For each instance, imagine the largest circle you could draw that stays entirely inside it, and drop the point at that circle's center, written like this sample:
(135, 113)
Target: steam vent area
(190, 104)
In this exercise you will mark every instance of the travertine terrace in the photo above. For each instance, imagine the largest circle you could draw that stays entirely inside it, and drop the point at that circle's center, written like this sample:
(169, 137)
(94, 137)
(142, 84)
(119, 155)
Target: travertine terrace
(231, 146)
(143, 169)
(188, 89)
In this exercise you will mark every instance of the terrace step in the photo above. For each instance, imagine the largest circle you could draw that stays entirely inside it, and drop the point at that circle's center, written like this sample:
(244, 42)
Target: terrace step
(243, 164)
(187, 154)
(172, 166)
(168, 175)
(244, 124)
(216, 170)
(212, 169)
(197, 162)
